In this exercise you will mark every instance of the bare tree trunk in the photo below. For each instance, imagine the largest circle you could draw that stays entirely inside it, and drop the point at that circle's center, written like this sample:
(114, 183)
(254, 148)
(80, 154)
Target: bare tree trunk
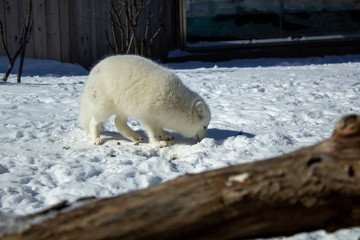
(10, 59)
(317, 187)
(24, 39)
(21, 64)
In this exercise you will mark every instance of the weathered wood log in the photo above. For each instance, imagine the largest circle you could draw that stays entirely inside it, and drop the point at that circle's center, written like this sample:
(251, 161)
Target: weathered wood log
(317, 187)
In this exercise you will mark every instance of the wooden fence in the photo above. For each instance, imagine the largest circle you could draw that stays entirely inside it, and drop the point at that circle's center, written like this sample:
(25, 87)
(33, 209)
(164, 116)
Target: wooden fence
(74, 30)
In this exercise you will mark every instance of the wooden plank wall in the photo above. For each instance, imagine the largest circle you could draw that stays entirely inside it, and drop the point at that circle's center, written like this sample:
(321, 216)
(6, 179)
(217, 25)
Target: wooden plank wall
(74, 30)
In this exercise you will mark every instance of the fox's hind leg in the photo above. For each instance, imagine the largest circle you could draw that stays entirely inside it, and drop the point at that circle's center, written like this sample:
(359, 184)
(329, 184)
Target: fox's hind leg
(121, 125)
(95, 129)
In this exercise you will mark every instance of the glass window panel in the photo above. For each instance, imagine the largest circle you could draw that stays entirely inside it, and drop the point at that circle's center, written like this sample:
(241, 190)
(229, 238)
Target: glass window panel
(320, 17)
(224, 20)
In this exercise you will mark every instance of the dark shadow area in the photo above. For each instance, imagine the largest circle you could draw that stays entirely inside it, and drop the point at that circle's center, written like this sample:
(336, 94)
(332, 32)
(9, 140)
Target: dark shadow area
(44, 68)
(180, 139)
(265, 62)
(214, 133)
(115, 136)
(222, 134)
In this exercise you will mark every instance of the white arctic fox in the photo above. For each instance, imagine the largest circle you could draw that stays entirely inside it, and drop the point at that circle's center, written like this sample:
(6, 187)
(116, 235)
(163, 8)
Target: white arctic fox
(133, 86)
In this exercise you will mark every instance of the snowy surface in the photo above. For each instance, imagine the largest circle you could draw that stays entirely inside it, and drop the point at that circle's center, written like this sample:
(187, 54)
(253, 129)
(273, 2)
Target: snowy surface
(279, 105)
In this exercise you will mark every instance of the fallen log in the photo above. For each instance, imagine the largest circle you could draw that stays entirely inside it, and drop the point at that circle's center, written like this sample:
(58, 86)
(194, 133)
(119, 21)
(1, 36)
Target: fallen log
(316, 187)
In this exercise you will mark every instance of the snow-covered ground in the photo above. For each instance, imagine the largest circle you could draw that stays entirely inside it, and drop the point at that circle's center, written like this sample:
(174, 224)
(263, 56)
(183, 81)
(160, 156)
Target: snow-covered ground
(278, 105)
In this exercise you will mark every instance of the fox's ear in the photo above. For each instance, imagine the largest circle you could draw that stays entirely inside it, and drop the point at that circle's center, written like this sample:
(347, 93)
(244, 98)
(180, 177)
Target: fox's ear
(197, 110)
(200, 107)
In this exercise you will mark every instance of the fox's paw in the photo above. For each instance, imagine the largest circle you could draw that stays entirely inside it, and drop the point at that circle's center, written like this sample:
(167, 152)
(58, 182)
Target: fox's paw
(98, 141)
(166, 137)
(136, 138)
(160, 144)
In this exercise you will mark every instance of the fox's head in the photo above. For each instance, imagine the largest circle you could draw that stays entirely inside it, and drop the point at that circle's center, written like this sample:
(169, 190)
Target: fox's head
(200, 118)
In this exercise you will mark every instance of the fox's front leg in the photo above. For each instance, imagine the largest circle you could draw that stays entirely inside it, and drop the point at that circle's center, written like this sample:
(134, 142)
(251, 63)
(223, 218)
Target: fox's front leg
(125, 130)
(157, 137)
(164, 136)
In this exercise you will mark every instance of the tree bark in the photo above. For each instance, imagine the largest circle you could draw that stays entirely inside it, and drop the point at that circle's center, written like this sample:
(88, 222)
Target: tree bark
(317, 187)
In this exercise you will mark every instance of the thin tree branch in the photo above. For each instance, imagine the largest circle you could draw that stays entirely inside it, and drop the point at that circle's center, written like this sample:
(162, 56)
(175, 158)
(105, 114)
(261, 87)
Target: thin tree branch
(126, 20)
(157, 32)
(118, 23)
(3, 42)
(108, 41)
(145, 37)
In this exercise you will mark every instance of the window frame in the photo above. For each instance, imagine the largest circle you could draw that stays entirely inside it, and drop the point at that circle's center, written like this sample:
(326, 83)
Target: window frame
(267, 47)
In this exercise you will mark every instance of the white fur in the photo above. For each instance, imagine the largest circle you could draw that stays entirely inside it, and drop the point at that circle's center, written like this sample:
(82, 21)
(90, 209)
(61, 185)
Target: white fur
(133, 86)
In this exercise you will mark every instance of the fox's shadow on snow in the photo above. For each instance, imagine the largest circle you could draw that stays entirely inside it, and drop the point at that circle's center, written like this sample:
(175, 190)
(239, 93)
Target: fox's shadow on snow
(222, 134)
(214, 133)
(115, 136)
